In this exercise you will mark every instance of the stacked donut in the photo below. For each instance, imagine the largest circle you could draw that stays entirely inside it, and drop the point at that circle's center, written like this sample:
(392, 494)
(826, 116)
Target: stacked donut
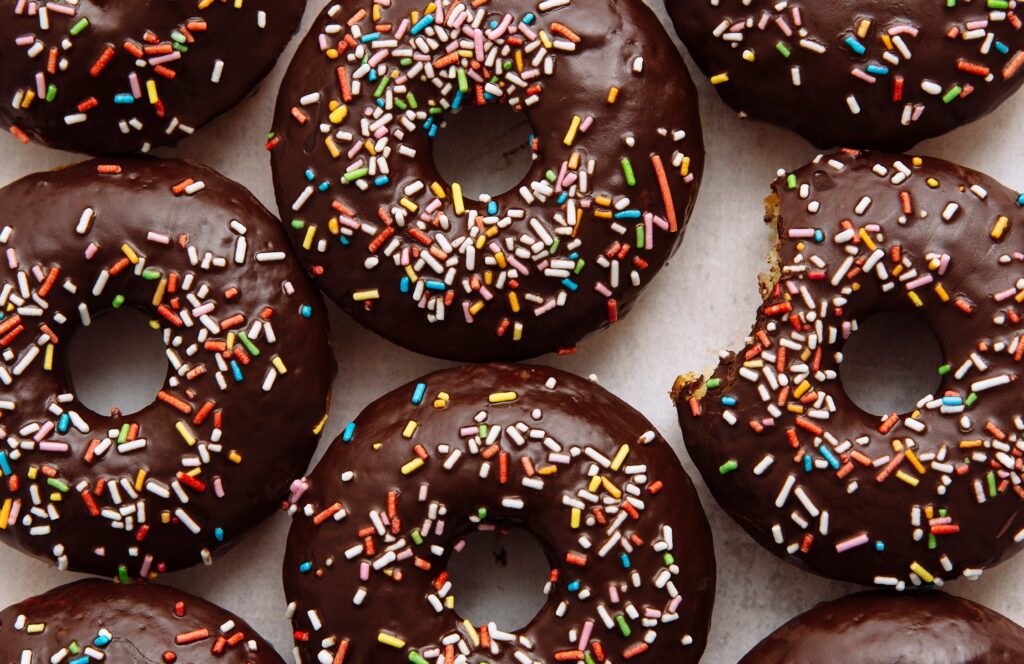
(905, 501)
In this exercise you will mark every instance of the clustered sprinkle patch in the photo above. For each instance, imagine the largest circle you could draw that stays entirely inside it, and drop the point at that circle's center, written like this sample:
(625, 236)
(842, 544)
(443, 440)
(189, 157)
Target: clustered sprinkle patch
(209, 333)
(452, 257)
(605, 511)
(781, 390)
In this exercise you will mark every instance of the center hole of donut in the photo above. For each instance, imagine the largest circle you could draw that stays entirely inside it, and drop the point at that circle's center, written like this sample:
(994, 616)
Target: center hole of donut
(890, 363)
(117, 362)
(485, 149)
(499, 578)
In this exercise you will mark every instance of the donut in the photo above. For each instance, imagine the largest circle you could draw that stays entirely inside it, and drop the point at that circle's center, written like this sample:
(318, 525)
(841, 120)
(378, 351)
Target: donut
(916, 497)
(885, 626)
(492, 447)
(94, 620)
(859, 74)
(248, 376)
(117, 76)
(520, 273)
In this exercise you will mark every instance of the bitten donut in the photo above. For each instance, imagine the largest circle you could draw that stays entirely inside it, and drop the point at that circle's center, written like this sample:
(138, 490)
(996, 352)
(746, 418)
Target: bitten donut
(248, 375)
(495, 446)
(916, 497)
(859, 73)
(116, 76)
(92, 621)
(884, 626)
(617, 160)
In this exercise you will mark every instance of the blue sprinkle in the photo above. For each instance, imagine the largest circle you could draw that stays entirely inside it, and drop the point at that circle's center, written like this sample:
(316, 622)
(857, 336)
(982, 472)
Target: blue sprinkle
(1020, 200)
(628, 214)
(379, 102)
(879, 546)
(417, 395)
(433, 131)
(573, 586)
(64, 423)
(381, 180)
(728, 401)
(493, 24)
(570, 284)
(124, 98)
(877, 69)
(492, 207)
(344, 240)
(819, 236)
(236, 371)
(952, 401)
(1002, 48)
(324, 186)
(574, 255)
(826, 452)
(219, 534)
(422, 24)
(457, 101)
(855, 45)
(80, 660)
(305, 567)
(562, 197)
(5, 468)
(349, 433)
(624, 557)
(403, 285)
(101, 641)
(435, 285)
(529, 18)
(808, 465)
(372, 76)
(369, 37)
(306, 311)
(310, 174)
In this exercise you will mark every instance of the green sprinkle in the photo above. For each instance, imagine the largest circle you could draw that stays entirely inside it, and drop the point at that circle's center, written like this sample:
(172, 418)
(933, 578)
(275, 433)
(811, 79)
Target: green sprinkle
(783, 49)
(416, 658)
(639, 235)
(971, 398)
(416, 537)
(411, 98)
(627, 168)
(623, 625)
(482, 513)
(728, 466)
(298, 224)
(118, 301)
(122, 575)
(713, 383)
(991, 484)
(122, 435)
(945, 369)
(55, 483)
(249, 345)
(791, 181)
(77, 28)
(352, 176)
(150, 274)
(953, 93)
(463, 83)
(51, 92)
(668, 559)
(580, 264)
(384, 83)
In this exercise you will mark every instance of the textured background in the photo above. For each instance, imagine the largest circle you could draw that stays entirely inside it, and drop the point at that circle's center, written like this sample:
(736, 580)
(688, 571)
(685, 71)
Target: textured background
(702, 302)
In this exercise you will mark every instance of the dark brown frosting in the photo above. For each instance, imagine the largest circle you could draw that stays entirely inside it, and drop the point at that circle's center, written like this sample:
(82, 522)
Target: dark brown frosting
(249, 365)
(540, 271)
(499, 446)
(127, 624)
(922, 496)
(77, 74)
(871, 73)
(884, 626)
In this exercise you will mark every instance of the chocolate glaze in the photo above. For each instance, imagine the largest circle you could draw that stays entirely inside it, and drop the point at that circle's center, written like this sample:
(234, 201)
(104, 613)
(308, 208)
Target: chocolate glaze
(255, 441)
(865, 494)
(189, 97)
(575, 415)
(650, 106)
(933, 46)
(884, 626)
(143, 621)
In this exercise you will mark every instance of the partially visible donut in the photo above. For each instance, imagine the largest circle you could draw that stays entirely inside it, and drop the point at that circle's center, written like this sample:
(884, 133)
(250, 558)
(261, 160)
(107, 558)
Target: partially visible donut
(116, 76)
(857, 73)
(248, 377)
(632, 566)
(885, 626)
(617, 161)
(917, 497)
(91, 621)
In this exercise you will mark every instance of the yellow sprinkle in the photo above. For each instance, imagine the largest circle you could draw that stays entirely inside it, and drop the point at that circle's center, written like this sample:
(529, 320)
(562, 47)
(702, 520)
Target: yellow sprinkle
(868, 242)
(502, 397)
(437, 189)
(574, 126)
(548, 470)
(449, 602)
(915, 462)
(140, 479)
(363, 295)
(719, 78)
(915, 298)
(195, 472)
(185, 433)
(544, 39)
(460, 205)
(307, 241)
(36, 628)
(684, 170)
(332, 148)
(613, 94)
(863, 27)
(620, 456)
(802, 389)
(932, 182)
(513, 301)
(165, 517)
(338, 114)
(970, 444)
(408, 205)
(411, 273)
(517, 331)
(48, 358)
(390, 640)
(907, 477)
(612, 490)
(27, 101)
(929, 512)
(574, 519)
(33, 472)
(410, 429)
(595, 484)
(161, 288)
(412, 466)
(472, 633)
(234, 457)
(230, 341)
(603, 214)
(332, 226)
(203, 4)
(917, 161)
(1002, 223)
(151, 89)
(795, 408)
(941, 292)
(5, 514)
(925, 575)
(279, 364)
(320, 425)
(130, 253)
(476, 307)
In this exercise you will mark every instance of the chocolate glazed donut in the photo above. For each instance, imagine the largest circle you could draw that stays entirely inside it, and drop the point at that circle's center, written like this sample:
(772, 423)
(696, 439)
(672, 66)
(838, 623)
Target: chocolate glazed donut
(248, 378)
(618, 156)
(94, 620)
(857, 73)
(632, 566)
(116, 76)
(883, 626)
(923, 496)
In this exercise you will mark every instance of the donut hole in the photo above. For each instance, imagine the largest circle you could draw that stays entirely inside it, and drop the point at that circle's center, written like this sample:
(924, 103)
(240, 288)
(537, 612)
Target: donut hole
(485, 149)
(890, 363)
(499, 577)
(117, 362)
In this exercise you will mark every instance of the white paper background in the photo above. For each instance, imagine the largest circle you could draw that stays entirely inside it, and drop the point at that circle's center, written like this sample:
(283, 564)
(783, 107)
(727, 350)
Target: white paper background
(703, 301)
